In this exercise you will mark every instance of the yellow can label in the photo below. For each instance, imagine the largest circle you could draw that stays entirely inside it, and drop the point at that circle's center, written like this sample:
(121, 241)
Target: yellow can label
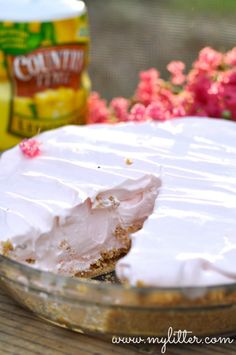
(43, 81)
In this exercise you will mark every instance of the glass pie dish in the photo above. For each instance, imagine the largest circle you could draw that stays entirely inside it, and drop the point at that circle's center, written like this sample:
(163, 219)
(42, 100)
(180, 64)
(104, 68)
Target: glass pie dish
(106, 307)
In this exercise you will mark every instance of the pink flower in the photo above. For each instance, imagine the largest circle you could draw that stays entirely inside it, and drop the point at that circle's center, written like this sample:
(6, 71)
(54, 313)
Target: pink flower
(229, 93)
(137, 113)
(199, 84)
(97, 109)
(149, 75)
(176, 69)
(206, 98)
(119, 106)
(148, 86)
(179, 111)
(181, 104)
(157, 111)
(229, 77)
(30, 147)
(208, 59)
(230, 57)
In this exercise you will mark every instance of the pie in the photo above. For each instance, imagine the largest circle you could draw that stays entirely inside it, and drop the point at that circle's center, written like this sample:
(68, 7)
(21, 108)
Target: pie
(155, 201)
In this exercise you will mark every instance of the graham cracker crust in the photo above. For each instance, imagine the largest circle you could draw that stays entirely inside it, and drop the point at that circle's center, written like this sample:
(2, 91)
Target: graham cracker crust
(106, 263)
(108, 257)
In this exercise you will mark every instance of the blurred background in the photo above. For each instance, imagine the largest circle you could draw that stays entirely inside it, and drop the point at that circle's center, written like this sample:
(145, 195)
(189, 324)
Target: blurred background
(133, 35)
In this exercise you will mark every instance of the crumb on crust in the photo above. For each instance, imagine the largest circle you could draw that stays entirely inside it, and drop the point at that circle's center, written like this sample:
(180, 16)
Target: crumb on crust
(64, 245)
(122, 234)
(128, 161)
(6, 247)
(30, 261)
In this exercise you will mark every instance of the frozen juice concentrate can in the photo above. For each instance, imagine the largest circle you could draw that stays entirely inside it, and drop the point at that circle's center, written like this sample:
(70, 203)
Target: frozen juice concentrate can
(43, 61)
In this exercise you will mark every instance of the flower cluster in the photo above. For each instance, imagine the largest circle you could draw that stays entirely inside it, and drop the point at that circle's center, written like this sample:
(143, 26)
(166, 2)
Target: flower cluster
(208, 89)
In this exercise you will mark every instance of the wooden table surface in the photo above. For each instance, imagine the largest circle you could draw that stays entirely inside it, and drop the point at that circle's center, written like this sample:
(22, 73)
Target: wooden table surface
(21, 333)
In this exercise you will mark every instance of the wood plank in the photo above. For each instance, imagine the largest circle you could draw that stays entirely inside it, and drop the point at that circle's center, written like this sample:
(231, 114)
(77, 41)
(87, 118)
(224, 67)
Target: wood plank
(21, 333)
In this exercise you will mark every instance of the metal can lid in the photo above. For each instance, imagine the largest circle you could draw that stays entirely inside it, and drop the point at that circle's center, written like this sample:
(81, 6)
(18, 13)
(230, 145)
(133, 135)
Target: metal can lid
(40, 10)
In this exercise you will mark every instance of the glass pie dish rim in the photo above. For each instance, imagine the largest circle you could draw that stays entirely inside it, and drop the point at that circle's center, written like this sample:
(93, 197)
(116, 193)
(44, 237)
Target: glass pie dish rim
(65, 286)
(101, 308)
